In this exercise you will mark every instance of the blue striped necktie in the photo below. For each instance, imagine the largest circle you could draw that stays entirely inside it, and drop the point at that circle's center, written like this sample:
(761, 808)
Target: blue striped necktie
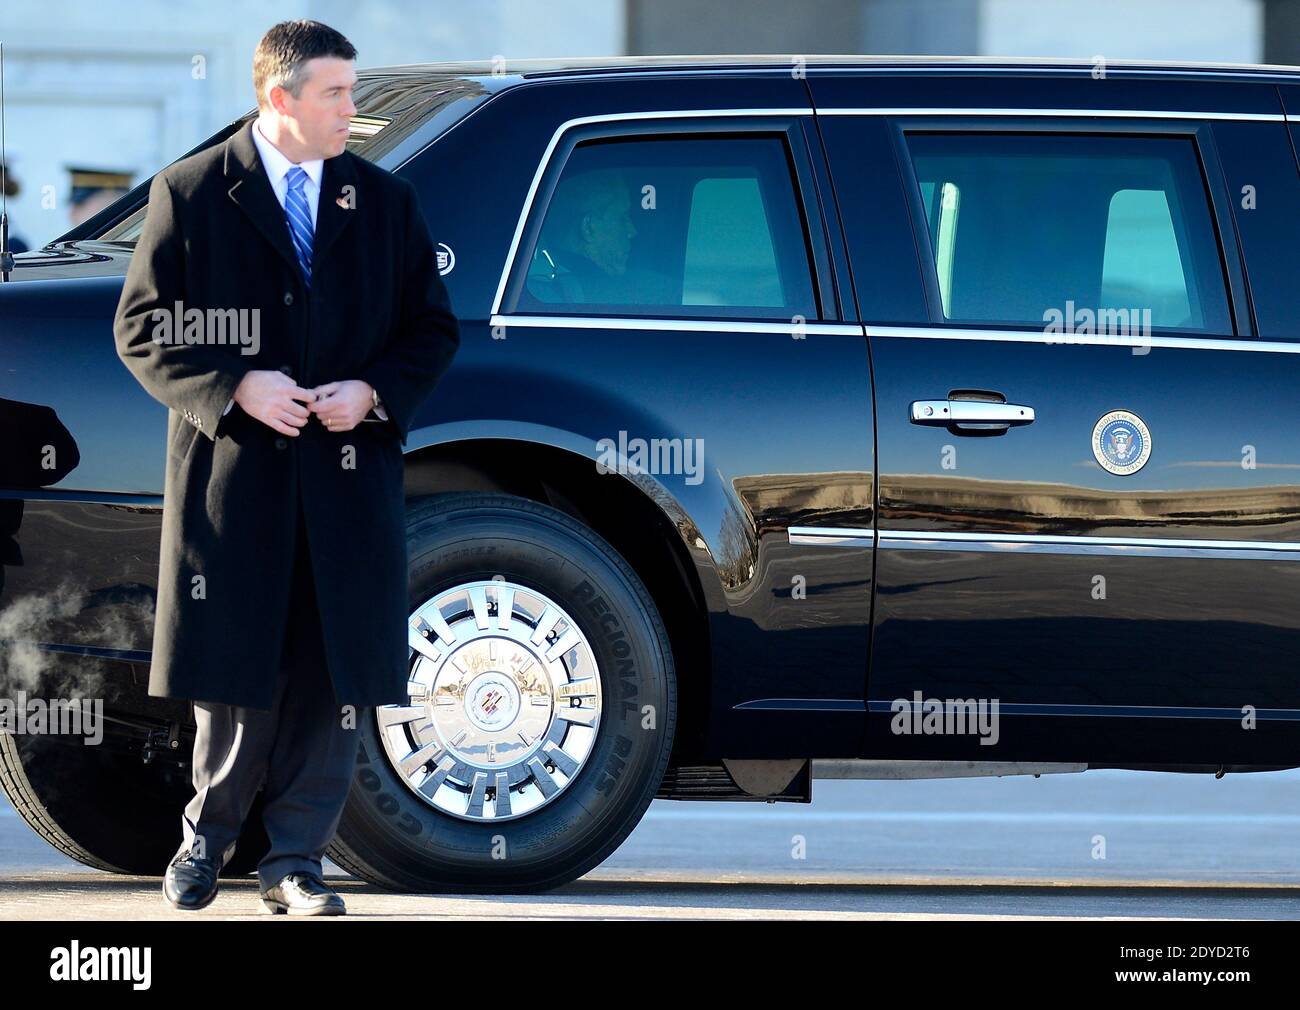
(299, 215)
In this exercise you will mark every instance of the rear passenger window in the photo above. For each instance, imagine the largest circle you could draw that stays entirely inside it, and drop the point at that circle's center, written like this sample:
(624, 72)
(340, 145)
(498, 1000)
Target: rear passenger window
(673, 226)
(1028, 228)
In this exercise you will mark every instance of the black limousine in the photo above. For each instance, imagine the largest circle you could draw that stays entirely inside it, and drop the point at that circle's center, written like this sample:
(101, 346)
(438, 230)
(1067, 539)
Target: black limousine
(825, 417)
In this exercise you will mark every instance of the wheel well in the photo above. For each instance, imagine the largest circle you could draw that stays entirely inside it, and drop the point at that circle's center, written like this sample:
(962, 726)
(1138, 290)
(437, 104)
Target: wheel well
(613, 507)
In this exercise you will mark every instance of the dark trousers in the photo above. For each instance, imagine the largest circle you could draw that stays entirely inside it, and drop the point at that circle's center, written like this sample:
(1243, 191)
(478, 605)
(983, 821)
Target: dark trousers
(302, 752)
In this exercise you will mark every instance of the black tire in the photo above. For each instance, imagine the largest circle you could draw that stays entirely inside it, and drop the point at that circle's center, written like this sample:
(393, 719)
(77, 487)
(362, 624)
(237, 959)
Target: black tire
(106, 808)
(392, 838)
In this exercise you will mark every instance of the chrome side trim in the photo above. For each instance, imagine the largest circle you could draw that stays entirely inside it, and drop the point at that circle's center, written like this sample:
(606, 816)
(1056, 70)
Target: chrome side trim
(904, 332)
(1035, 543)
(1090, 339)
(879, 706)
(608, 118)
(676, 325)
(802, 705)
(1277, 117)
(831, 536)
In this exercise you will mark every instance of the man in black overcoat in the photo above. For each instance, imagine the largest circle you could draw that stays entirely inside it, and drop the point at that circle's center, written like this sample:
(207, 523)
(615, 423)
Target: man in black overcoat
(284, 302)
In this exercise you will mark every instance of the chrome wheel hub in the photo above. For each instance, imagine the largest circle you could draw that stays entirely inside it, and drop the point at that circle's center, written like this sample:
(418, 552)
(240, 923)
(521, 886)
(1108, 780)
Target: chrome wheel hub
(505, 702)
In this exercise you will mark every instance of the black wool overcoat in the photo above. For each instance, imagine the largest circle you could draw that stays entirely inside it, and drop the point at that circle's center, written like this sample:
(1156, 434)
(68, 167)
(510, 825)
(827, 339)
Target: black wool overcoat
(216, 240)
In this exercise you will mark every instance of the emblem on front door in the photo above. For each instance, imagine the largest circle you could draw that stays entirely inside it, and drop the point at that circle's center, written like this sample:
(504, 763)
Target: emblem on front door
(446, 259)
(1121, 442)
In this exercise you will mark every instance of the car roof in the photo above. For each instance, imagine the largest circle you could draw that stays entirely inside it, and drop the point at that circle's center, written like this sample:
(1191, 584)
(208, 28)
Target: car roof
(514, 70)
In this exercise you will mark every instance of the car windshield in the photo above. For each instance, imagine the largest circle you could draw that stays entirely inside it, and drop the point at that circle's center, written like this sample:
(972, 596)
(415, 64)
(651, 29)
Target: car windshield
(389, 108)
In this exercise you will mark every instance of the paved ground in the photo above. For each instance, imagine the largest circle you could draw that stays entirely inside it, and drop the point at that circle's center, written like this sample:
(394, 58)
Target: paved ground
(1175, 846)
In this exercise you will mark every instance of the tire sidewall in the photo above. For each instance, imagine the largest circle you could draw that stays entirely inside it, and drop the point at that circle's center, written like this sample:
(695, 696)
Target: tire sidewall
(617, 780)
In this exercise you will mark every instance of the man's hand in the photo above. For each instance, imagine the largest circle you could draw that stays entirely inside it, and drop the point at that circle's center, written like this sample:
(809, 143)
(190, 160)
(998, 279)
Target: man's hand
(341, 406)
(272, 398)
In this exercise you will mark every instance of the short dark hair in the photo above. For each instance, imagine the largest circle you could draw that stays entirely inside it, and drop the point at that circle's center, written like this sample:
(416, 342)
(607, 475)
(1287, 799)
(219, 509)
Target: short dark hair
(286, 48)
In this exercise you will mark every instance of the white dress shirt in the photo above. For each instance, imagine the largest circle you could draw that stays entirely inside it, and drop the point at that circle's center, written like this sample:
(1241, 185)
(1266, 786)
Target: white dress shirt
(277, 167)
(277, 170)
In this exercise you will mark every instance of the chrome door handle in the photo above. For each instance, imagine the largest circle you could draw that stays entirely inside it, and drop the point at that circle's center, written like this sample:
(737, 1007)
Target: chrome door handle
(942, 413)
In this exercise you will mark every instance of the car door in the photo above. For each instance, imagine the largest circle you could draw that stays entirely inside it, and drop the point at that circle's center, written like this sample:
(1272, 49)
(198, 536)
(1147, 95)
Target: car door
(1088, 513)
(671, 282)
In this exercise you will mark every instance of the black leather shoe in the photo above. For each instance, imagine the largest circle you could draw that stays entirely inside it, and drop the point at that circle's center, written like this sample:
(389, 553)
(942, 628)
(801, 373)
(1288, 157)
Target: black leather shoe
(191, 881)
(302, 894)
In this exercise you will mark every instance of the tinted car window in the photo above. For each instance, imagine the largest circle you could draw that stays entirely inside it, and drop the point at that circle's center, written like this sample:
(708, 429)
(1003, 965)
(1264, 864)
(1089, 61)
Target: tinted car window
(1025, 226)
(672, 227)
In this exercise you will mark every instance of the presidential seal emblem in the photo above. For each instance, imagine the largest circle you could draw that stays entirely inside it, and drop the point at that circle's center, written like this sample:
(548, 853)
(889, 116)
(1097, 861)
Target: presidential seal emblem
(1121, 442)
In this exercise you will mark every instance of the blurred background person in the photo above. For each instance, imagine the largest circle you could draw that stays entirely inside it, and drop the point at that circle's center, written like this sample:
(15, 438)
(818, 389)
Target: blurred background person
(12, 188)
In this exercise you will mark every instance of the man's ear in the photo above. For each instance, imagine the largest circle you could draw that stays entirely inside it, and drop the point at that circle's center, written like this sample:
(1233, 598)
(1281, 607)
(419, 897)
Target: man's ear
(276, 97)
